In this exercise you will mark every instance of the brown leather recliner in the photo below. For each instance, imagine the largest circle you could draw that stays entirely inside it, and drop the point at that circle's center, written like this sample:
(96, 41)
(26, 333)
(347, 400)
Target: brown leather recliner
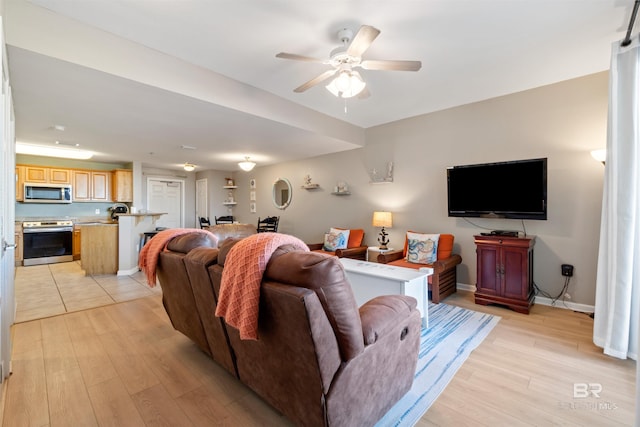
(316, 350)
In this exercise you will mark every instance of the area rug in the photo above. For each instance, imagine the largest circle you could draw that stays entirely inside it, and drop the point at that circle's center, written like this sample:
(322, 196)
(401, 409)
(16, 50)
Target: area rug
(452, 335)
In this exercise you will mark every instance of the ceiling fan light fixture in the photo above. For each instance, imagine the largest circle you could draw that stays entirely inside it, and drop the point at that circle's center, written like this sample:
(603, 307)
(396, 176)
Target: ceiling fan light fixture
(189, 167)
(347, 84)
(246, 165)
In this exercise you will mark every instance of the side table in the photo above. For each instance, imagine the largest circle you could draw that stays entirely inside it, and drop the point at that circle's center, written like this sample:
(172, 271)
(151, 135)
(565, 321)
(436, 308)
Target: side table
(373, 251)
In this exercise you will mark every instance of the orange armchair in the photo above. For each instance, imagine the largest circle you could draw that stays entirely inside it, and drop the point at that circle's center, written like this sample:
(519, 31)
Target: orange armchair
(442, 282)
(355, 249)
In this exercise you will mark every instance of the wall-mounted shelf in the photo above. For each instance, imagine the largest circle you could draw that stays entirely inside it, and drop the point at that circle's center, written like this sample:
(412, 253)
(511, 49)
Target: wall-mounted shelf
(311, 186)
(229, 203)
(341, 193)
(230, 186)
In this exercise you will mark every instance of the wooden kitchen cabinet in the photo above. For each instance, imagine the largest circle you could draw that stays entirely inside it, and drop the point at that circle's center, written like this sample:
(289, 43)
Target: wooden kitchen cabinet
(505, 271)
(101, 184)
(46, 175)
(76, 242)
(19, 183)
(59, 176)
(123, 185)
(91, 186)
(19, 244)
(38, 174)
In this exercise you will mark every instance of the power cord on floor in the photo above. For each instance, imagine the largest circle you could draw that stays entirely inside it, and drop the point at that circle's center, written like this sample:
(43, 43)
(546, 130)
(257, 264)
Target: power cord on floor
(553, 299)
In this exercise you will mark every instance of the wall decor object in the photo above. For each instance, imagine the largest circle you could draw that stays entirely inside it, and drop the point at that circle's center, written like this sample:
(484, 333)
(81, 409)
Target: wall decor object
(308, 185)
(341, 189)
(230, 182)
(252, 183)
(282, 193)
(252, 196)
(252, 207)
(380, 177)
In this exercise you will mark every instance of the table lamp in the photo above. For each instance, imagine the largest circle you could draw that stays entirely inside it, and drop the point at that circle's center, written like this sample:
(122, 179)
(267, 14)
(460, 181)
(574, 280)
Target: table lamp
(382, 219)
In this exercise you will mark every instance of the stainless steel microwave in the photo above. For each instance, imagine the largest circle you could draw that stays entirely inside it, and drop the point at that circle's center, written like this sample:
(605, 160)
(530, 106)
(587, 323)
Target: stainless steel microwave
(47, 193)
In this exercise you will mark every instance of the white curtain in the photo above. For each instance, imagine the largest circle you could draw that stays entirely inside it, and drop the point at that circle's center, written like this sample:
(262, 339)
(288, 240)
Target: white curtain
(618, 279)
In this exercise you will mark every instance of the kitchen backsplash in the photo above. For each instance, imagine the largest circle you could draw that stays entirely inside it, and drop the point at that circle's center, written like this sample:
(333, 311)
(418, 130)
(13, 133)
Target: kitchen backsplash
(88, 209)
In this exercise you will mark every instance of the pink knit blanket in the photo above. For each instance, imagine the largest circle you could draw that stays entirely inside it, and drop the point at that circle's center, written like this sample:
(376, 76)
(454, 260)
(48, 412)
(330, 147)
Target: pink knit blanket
(241, 277)
(148, 259)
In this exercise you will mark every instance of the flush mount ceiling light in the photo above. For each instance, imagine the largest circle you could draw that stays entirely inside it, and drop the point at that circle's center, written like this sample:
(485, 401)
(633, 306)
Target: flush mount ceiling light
(49, 151)
(189, 167)
(246, 165)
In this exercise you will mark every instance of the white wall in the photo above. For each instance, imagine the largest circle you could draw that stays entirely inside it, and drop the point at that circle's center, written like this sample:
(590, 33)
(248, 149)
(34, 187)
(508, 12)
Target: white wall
(562, 122)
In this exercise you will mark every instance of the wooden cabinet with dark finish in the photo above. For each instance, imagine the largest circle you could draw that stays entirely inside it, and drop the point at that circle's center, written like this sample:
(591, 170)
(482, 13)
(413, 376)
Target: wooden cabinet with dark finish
(505, 271)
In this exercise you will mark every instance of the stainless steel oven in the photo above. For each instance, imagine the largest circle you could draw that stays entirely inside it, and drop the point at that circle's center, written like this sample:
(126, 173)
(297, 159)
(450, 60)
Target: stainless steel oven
(47, 242)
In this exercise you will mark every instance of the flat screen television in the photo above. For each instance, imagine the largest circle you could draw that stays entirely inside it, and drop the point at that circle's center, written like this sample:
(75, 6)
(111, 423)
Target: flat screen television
(514, 189)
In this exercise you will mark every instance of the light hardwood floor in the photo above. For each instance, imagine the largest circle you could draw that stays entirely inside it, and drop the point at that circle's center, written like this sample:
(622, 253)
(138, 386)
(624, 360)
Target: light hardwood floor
(124, 365)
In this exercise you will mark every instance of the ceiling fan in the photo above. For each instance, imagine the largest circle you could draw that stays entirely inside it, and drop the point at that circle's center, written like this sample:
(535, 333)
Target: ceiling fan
(344, 59)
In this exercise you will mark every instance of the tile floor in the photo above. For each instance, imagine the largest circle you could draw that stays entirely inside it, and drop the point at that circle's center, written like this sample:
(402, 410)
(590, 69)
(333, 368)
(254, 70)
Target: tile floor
(48, 290)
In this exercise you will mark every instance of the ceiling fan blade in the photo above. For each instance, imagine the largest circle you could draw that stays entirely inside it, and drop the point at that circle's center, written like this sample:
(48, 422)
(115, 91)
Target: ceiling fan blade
(319, 79)
(285, 55)
(361, 42)
(390, 65)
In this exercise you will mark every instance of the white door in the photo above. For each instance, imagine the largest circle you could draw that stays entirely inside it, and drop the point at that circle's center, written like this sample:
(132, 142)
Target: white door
(202, 205)
(167, 197)
(7, 217)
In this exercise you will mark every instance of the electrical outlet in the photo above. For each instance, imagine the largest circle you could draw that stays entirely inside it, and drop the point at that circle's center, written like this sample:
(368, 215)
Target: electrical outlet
(567, 270)
(567, 296)
(97, 211)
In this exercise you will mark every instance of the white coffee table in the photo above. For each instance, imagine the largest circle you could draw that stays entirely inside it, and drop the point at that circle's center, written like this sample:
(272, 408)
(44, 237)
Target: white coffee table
(370, 279)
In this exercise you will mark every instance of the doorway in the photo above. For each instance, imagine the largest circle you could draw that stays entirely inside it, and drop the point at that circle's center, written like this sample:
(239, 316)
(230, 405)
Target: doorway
(166, 196)
(202, 203)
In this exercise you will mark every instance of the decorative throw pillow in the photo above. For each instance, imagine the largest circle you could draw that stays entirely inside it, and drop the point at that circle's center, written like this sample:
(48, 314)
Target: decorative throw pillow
(336, 239)
(422, 248)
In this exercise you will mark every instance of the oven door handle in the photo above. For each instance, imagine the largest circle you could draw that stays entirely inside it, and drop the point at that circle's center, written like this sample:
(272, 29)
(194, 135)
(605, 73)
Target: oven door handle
(48, 230)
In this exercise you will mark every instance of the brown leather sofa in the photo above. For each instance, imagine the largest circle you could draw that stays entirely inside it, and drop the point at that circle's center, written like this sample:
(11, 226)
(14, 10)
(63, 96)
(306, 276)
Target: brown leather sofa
(319, 359)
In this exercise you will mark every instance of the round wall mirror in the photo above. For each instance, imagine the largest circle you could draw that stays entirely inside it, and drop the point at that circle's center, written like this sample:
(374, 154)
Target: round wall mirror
(282, 193)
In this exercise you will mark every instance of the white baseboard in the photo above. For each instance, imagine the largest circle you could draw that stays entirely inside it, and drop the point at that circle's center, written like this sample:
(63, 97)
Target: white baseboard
(128, 272)
(567, 305)
(465, 287)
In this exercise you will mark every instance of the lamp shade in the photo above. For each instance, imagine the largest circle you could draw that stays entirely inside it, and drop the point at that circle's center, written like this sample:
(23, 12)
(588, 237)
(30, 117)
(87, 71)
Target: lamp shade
(382, 219)
(189, 167)
(246, 165)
